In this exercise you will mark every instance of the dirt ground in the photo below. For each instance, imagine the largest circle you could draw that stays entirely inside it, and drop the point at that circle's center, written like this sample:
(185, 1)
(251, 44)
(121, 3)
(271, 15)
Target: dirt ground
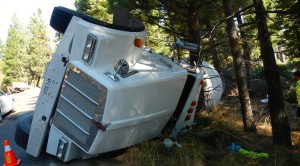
(225, 124)
(261, 115)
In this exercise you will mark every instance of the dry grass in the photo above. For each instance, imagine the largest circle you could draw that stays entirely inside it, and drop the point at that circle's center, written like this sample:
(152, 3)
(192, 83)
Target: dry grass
(155, 153)
(207, 144)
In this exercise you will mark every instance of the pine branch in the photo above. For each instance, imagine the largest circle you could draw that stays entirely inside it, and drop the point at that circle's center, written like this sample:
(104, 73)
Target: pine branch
(283, 12)
(246, 24)
(225, 19)
(213, 46)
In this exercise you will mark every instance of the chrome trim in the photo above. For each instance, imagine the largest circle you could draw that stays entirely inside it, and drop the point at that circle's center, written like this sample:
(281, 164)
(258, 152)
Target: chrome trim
(121, 67)
(61, 149)
(82, 100)
(91, 49)
(72, 121)
(112, 76)
(81, 92)
(76, 107)
(130, 74)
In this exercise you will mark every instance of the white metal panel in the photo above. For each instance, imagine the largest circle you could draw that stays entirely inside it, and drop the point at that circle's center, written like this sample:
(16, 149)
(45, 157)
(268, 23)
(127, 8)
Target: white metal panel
(141, 93)
(139, 106)
(142, 102)
(71, 152)
(194, 95)
(213, 85)
(53, 78)
(124, 137)
(111, 44)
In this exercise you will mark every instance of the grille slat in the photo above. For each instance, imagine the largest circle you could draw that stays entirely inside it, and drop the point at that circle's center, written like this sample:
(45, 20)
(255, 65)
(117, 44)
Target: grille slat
(74, 116)
(63, 122)
(68, 101)
(81, 101)
(84, 86)
(70, 84)
(62, 114)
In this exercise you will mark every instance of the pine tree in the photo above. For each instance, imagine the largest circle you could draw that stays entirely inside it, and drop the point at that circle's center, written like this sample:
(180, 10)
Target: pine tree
(248, 120)
(39, 49)
(1, 62)
(95, 8)
(280, 124)
(14, 53)
(1, 48)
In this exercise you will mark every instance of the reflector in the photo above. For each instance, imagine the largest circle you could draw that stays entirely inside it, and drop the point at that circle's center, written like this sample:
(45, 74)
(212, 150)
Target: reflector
(202, 82)
(188, 117)
(194, 103)
(191, 110)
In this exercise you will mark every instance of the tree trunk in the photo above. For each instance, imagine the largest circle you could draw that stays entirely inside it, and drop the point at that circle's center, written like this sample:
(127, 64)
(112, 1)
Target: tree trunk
(194, 29)
(38, 81)
(280, 124)
(246, 108)
(246, 51)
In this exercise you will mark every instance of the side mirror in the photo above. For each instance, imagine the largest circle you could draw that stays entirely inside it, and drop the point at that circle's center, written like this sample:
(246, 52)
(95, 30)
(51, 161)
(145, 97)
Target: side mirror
(121, 67)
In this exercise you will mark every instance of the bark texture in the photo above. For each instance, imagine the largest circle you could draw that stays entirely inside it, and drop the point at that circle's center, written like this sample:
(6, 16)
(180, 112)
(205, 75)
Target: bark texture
(234, 40)
(280, 124)
(194, 29)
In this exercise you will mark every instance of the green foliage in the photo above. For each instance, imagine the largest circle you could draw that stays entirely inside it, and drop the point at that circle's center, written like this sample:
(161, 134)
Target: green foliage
(94, 8)
(284, 70)
(156, 40)
(39, 50)
(1, 72)
(1, 62)
(179, 19)
(287, 26)
(169, 20)
(26, 51)
(1, 48)
(14, 53)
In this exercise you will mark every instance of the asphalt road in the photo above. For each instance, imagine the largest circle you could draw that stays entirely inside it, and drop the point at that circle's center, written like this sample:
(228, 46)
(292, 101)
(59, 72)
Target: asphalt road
(25, 104)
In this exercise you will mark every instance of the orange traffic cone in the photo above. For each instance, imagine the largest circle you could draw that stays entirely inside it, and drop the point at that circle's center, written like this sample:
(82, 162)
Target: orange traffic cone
(9, 155)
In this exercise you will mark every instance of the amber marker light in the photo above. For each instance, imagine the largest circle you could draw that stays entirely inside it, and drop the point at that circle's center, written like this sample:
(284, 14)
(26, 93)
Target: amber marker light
(138, 43)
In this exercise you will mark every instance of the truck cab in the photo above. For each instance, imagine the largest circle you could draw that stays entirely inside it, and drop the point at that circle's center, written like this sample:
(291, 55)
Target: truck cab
(104, 90)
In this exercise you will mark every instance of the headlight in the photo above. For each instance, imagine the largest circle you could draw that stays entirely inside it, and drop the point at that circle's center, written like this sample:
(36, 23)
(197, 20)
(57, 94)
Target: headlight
(61, 148)
(89, 48)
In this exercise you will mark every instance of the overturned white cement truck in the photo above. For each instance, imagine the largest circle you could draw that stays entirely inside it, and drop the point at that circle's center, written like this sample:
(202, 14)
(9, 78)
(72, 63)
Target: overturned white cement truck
(104, 91)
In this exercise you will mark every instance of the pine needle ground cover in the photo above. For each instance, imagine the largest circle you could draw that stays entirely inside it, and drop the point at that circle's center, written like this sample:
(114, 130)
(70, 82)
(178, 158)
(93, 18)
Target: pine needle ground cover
(209, 141)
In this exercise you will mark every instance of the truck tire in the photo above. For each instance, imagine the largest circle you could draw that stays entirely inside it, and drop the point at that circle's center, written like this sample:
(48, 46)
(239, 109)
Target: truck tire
(62, 16)
(23, 130)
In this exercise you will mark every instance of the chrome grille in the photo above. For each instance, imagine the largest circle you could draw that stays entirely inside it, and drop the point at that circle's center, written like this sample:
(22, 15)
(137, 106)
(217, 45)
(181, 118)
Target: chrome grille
(82, 102)
(69, 111)
(84, 86)
(72, 129)
(82, 99)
